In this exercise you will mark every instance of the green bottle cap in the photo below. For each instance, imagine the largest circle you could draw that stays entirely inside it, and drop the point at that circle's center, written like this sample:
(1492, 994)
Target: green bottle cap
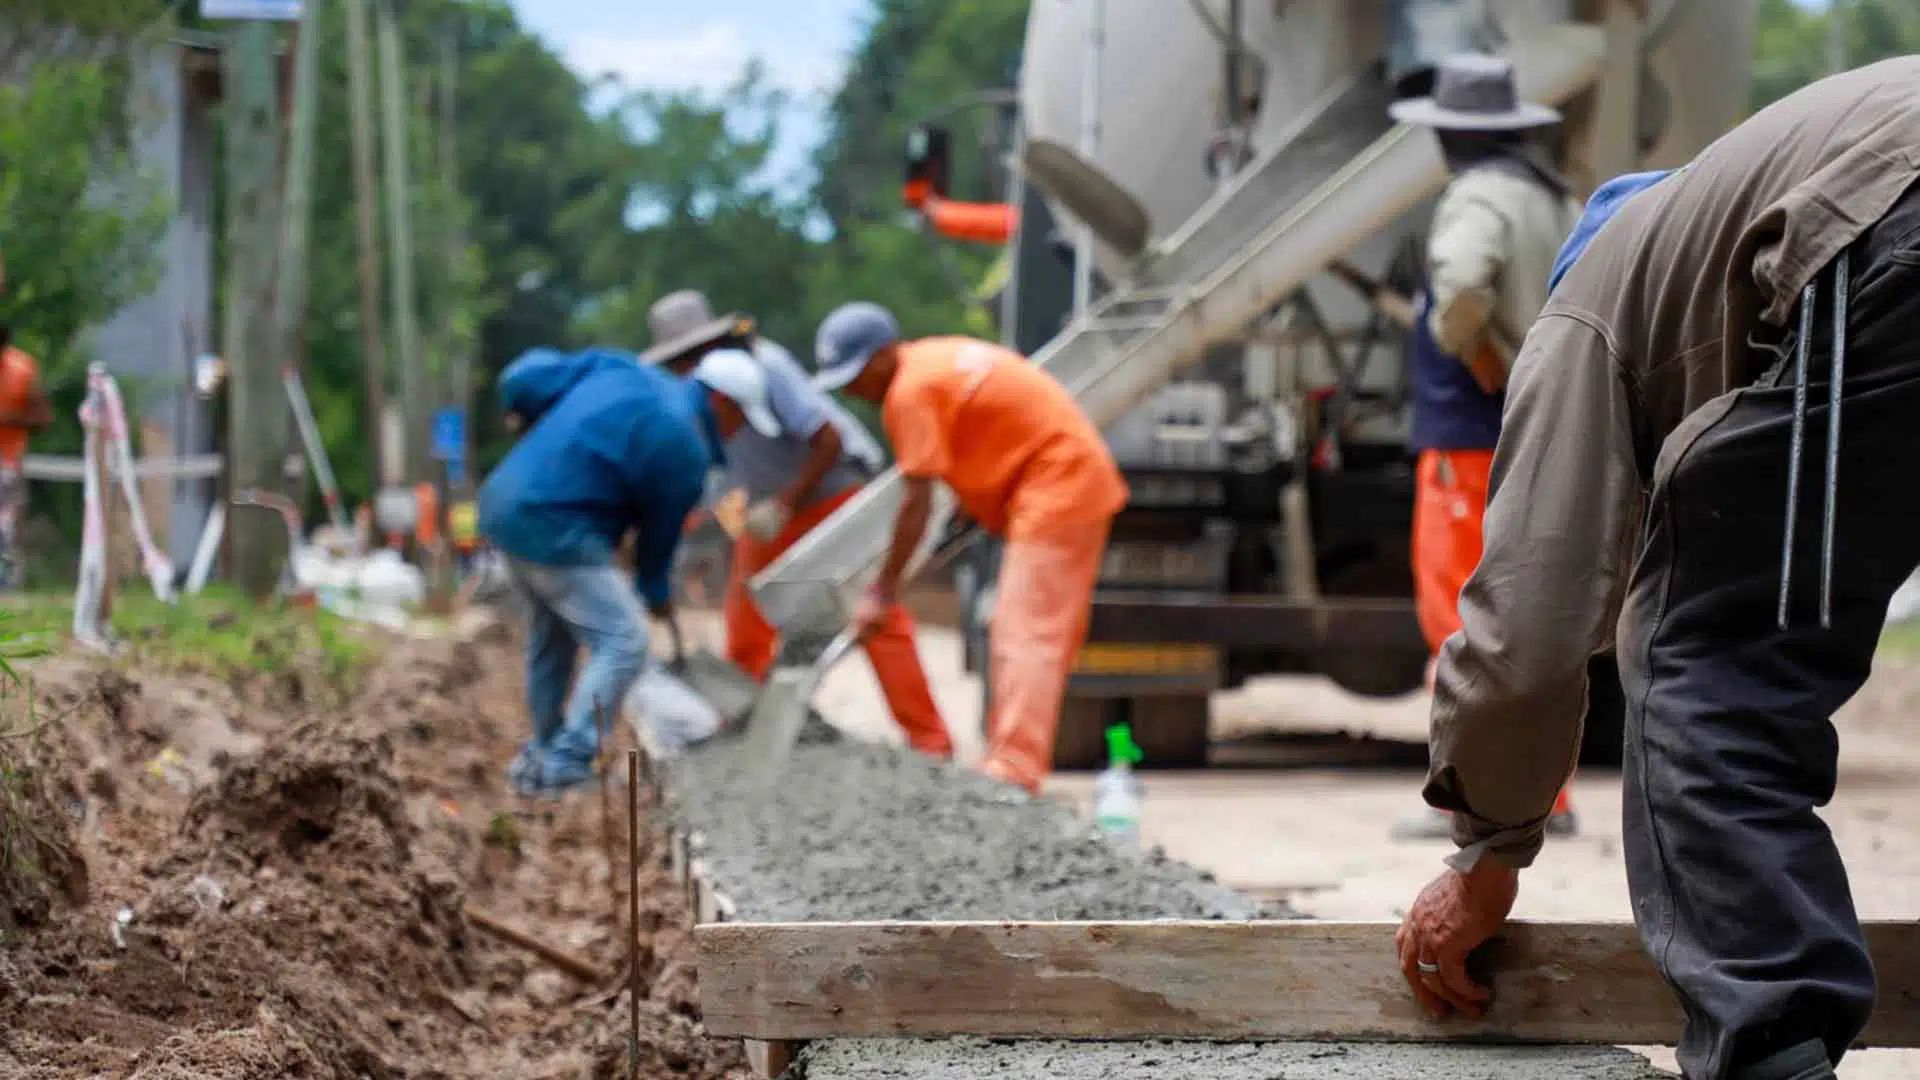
(1121, 747)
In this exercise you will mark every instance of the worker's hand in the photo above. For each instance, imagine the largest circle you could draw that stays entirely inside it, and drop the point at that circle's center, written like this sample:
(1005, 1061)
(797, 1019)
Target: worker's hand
(1454, 915)
(870, 610)
(768, 518)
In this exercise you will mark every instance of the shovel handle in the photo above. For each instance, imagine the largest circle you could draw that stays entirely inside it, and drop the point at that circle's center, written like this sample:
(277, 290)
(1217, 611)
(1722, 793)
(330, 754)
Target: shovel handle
(679, 642)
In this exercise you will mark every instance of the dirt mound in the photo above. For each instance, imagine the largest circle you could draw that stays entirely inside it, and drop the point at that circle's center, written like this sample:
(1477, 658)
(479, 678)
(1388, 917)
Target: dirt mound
(279, 889)
(38, 860)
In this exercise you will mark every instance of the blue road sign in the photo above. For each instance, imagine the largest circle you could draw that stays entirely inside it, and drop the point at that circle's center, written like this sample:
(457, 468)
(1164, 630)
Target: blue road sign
(450, 434)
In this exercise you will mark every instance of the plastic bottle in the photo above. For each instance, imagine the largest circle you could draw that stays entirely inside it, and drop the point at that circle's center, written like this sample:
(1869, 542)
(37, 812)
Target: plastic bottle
(1117, 794)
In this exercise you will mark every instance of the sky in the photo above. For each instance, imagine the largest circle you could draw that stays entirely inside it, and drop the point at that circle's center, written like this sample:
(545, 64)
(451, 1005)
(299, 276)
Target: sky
(704, 45)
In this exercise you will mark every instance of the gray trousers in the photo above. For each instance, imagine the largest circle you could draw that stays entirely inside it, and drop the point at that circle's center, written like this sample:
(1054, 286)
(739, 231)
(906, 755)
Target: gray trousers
(1738, 890)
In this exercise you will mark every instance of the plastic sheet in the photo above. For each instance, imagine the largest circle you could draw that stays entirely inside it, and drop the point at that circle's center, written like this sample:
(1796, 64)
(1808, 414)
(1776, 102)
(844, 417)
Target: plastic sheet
(667, 712)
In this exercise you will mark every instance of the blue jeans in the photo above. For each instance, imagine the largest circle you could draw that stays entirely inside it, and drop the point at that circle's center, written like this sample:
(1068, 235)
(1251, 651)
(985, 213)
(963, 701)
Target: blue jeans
(568, 607)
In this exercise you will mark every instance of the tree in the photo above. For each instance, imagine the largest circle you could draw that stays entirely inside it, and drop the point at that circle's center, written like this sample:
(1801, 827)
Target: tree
(1790, 49)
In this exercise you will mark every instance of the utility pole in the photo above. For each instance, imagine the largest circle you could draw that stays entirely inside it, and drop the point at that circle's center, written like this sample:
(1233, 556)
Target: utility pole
(296, 211)
(256, 415)
(373, 347)
(1836, 36)
(393, 93)
(460, 357)
(290, 294)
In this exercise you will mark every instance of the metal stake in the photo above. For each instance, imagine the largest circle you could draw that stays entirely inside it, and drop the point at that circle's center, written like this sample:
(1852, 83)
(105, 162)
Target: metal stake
(1797, 447)
(1835, 378)
(633, 914)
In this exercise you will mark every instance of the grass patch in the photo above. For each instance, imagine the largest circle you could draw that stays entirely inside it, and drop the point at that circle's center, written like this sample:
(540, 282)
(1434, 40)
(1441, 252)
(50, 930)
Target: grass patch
(220, 631)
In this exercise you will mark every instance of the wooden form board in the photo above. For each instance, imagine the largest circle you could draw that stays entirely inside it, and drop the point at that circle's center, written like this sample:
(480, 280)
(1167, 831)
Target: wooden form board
(707, 904)
(1569, 983)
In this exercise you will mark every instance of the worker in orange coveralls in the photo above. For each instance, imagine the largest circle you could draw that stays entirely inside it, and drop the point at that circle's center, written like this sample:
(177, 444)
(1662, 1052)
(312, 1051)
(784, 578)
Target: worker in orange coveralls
(790, 459)
(1026, 464)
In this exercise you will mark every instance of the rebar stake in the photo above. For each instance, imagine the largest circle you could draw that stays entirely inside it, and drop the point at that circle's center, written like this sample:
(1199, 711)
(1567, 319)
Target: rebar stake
(1796, 447)
(1836, 383)
(633, 914)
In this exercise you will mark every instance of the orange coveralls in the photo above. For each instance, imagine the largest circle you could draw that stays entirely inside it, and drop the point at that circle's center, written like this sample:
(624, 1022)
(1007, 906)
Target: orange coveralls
(751, 640)
(1026, 464)
(1450, 505)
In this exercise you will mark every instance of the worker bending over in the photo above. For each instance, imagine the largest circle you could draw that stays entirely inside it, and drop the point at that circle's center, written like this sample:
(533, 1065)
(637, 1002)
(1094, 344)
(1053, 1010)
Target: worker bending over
(1026, 464)
(1708, 436)
(1495, 232)
(609, 446)
(793, 464)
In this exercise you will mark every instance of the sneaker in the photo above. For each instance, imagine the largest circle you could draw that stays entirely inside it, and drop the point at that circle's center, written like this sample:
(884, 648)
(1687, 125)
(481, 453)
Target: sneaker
(554, 777)
(521, 770)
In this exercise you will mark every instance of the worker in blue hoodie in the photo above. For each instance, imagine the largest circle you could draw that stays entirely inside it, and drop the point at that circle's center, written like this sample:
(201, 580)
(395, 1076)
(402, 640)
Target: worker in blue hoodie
(607, 446)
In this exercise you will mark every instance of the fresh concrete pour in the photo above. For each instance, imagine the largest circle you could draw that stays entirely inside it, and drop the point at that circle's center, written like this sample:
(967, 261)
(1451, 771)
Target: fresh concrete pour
(982, 1059)
(855, 832)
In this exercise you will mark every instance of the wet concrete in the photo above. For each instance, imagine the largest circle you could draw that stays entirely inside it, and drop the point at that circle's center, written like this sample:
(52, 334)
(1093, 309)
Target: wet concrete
(980, 1059)
(854, 832)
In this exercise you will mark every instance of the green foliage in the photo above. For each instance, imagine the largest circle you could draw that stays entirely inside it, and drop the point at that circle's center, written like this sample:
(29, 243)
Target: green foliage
(80, 231)
(1792, 45)
(80, 226)
(219, 631)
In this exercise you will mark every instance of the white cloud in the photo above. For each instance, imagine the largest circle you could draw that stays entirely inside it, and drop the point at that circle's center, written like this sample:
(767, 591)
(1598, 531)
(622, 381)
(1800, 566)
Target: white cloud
(708, 58)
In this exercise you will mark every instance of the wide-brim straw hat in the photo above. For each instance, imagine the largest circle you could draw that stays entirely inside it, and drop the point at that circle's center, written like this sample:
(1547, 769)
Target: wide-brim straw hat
(683, 321)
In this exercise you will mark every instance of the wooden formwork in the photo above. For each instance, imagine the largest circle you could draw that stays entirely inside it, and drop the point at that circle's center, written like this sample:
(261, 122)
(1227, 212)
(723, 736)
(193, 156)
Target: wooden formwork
(707, 905)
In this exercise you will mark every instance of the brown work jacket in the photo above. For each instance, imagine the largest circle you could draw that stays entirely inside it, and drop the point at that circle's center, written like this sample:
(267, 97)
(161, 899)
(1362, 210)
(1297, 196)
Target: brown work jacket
(1644, 341)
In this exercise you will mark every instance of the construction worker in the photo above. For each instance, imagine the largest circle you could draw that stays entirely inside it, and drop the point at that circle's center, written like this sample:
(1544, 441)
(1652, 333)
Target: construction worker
(24, 409)
(1496, 230)
(1736, 324)
(685, 329)
(609, 446)
(793, 466)
(1026, 464)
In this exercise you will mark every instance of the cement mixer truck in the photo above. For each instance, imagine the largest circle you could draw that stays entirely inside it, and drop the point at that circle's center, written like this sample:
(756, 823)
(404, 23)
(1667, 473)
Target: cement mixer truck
(1212, 227)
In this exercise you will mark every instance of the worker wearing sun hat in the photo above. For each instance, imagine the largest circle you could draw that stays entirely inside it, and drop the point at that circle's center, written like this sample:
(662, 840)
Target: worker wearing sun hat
(1026, 464)
(792, 463)
(1490, 253)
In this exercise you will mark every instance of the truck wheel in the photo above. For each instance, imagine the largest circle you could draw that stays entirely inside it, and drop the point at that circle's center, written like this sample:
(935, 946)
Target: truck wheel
(1603, 741)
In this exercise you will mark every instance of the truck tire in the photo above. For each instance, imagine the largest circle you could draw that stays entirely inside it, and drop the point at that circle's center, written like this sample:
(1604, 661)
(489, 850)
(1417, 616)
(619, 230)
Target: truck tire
(1603, 742)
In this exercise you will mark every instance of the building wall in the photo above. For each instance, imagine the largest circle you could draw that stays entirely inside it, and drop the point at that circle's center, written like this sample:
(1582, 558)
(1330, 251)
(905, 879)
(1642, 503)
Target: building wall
(151, 344)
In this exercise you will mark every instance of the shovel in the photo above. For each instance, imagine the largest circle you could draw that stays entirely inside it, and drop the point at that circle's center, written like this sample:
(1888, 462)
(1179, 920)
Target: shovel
(781, 710)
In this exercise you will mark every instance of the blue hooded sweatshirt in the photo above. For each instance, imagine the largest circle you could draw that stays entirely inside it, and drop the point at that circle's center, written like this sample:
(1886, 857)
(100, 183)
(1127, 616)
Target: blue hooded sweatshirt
(609, 445)
(1605, 202)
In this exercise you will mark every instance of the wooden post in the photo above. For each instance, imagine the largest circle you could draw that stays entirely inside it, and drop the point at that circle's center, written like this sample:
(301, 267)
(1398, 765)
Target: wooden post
(393, 95)
(257, 409)
(367, 201)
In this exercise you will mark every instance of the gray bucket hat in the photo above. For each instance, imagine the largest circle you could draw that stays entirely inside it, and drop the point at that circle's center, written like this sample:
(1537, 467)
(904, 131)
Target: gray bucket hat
(680, 322)
(1472, 92)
